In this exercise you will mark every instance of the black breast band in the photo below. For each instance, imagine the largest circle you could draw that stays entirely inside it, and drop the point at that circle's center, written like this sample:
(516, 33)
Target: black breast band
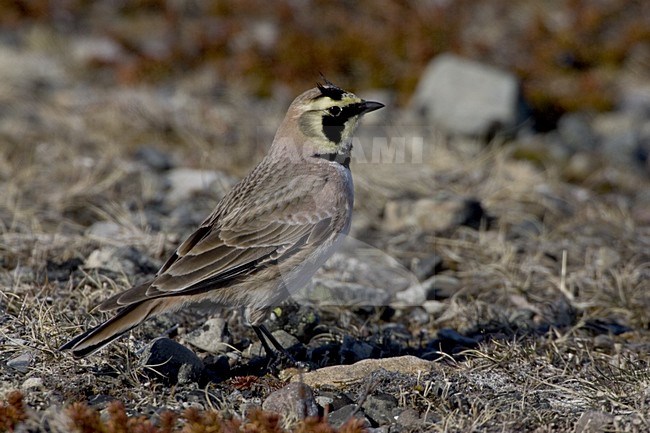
(334, 157)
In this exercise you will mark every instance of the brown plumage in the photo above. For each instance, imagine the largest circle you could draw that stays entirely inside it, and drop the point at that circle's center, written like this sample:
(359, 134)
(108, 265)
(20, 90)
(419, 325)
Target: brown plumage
(268, 235)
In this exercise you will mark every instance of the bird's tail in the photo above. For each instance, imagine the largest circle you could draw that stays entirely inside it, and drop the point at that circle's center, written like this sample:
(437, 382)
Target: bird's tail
(98, 337)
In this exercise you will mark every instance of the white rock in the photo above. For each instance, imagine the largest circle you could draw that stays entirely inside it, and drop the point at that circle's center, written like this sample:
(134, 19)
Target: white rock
(413, 296)
(32, 383)
(465, 97)
(107, 258)
(434, 307)
(211, 337)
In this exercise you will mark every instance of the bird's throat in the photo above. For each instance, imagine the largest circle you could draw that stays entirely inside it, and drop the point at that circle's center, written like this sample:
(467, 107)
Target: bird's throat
(340, 158)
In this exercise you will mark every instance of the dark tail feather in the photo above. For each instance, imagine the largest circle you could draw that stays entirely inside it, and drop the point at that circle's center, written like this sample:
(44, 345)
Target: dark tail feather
(98, 337)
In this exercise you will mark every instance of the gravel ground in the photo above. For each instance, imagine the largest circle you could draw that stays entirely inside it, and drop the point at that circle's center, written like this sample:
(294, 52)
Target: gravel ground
(515, 299)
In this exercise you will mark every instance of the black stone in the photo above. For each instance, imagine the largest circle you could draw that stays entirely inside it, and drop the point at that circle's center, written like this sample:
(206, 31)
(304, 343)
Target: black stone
(170, 362)
(341, 416)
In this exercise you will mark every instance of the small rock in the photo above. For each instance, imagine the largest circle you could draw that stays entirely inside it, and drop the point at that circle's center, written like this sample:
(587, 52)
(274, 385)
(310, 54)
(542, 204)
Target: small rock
(105, 230)
(128, 260)
(379, 408)
(173, 363)
(593, 421)
(433, 214)
(106, 258)
(466, 97)
(212, 337)
(603, 342)
(576, 133)
(426, 267)
(325, 402)
(434, 308)
(323, 354)
(62, 271)
(294, 401)
(409, 418)
(413, 296)
(217, 367)
(287, 341)
(342, 375)
(336, 400)
(450, 338)
(441, 287)
(619, 134)
(360, 263)
(326, 292)
(154, 158)
(183, 182)
(527, 229)
(580, 167)
(21, 362)
(32, 383)
(353, 350)
(185, 215)
(418, 316)
(341, 416)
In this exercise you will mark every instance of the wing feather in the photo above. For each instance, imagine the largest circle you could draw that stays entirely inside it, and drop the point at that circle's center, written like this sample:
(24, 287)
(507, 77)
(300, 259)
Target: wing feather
(247, 239)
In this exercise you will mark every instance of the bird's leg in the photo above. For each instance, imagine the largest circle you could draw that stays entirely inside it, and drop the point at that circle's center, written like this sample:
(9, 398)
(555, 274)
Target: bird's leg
(264, 334)
(269, 352)
(276, 343)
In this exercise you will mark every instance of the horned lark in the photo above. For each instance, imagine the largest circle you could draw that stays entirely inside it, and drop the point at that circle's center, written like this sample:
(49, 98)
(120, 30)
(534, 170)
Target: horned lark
(268, 235)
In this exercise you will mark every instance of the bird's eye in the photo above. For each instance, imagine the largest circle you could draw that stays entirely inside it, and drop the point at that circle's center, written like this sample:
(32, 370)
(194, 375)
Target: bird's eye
(334, 111)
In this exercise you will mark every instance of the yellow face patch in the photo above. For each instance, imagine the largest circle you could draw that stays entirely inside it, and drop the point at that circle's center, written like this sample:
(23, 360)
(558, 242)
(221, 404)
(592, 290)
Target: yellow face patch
(329, 122)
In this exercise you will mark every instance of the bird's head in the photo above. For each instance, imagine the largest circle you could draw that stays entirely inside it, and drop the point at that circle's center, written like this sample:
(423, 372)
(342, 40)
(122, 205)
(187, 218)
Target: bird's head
(325, 119)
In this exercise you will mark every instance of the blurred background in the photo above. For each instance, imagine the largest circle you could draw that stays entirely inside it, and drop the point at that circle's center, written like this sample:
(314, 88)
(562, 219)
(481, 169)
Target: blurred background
(569, 55)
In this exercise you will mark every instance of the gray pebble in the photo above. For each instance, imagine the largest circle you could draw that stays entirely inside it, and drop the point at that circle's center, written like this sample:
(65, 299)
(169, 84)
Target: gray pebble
(380, 407)
(341, 416)
(294, 401)
(21, 362)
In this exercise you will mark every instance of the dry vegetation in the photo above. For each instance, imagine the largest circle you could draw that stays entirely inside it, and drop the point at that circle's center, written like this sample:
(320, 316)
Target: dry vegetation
(556, 289)
(79, 417)
(569, 54)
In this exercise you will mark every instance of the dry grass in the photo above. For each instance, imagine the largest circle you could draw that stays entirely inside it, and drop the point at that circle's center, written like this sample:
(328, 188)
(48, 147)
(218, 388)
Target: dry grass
(557, 289)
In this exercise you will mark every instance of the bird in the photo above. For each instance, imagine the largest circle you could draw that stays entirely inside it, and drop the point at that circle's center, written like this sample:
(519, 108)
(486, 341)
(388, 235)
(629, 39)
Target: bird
(267, 236)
